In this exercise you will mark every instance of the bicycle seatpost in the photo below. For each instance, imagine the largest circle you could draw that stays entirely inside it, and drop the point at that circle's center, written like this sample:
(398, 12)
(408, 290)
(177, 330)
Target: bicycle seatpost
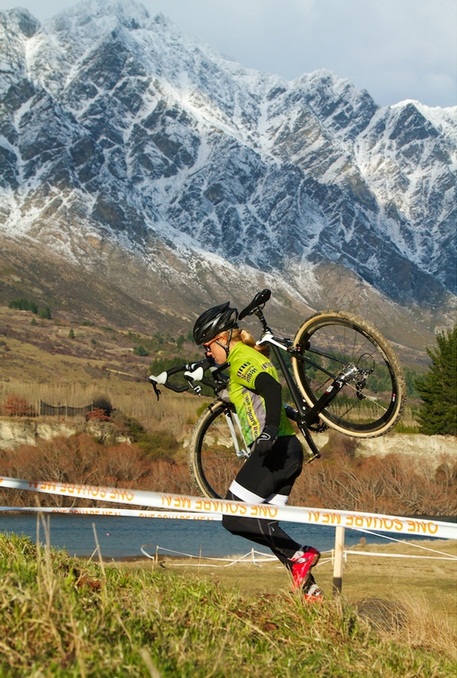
(262, 319)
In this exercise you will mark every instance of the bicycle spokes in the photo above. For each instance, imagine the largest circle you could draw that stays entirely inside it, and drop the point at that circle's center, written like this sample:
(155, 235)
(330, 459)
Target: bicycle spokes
(348, 374)
(218, 450)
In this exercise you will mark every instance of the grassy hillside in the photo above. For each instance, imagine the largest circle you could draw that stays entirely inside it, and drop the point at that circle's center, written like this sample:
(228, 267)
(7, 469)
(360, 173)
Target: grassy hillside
(63, 362)
(67, 617)
(34, 349)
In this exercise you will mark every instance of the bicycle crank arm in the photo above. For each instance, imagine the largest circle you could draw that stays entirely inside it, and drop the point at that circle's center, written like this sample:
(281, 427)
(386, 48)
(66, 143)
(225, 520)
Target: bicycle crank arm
(314, 450)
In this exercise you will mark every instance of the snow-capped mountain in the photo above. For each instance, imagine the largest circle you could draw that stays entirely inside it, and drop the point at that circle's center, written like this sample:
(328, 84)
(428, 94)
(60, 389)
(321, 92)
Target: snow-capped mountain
(130, 150)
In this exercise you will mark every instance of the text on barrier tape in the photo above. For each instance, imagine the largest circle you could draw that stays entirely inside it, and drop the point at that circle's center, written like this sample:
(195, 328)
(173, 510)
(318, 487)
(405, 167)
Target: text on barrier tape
(295, 514)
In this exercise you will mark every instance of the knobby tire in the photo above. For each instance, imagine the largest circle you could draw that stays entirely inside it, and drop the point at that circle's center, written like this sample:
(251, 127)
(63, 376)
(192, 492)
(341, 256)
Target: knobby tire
(344, 338)
(213, 462)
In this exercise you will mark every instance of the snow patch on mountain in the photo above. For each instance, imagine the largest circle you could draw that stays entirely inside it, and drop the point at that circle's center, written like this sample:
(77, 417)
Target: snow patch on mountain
(114, 127)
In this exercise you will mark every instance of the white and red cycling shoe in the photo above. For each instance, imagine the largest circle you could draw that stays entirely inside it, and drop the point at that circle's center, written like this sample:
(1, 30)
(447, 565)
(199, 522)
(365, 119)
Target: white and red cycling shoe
(301, 564)
(300, 567)
(311, 591)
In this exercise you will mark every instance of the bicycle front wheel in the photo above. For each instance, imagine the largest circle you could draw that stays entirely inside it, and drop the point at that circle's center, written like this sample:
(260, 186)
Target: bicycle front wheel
(217, 450)
(373, 399)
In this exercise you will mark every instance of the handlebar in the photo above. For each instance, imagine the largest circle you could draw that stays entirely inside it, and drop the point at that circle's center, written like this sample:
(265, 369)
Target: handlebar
(192, 372)
(163, 378)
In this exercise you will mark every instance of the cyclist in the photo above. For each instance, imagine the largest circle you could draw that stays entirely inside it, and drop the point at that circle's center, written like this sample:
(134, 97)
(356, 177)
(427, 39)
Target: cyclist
(276, 457)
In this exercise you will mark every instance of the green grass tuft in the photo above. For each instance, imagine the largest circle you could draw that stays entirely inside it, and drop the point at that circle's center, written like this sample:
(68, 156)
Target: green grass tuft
(63, 616)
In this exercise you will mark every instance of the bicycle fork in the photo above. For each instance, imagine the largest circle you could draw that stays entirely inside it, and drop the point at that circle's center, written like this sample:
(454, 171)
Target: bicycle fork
(236, 432)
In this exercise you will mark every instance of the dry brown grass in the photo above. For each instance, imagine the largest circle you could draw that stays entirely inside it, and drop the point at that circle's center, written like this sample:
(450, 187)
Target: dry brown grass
(137, 400)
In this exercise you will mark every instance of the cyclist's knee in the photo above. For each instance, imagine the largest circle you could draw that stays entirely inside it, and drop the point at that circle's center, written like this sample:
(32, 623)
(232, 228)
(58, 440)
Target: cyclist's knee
(236, 524)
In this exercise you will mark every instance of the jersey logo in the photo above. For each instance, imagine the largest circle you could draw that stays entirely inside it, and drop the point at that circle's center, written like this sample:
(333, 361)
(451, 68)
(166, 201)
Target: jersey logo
(246, 372)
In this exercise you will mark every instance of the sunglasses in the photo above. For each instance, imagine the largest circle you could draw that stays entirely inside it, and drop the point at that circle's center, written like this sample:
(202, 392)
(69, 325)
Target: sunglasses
(207, 346)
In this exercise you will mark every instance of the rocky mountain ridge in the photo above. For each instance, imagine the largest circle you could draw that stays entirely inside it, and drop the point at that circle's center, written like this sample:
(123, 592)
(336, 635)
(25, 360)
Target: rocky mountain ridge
(143, 176)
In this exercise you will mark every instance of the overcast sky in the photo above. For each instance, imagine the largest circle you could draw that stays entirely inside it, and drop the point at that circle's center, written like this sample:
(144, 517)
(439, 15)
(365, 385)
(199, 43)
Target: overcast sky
(396, 49)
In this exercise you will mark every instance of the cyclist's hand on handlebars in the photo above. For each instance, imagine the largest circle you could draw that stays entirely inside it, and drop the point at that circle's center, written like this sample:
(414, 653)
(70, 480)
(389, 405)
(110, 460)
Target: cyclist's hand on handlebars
(266, 440)
(195, 373)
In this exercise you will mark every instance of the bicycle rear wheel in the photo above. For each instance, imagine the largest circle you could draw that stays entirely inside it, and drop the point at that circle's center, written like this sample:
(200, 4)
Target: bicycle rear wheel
(213, 457)
(372, 401)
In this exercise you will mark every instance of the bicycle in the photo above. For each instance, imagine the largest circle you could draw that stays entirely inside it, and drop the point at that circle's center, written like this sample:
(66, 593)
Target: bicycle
(345, 375)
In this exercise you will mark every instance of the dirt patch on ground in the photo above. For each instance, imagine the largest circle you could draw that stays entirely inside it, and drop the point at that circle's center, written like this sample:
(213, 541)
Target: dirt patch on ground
(382, 615)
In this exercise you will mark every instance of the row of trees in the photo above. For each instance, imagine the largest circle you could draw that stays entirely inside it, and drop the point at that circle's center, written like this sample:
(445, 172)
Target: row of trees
(28, 305)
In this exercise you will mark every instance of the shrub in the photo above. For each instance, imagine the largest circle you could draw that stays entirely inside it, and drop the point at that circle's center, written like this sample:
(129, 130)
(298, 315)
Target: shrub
(158, 445)
(140, 350)
(82, 459)
(15, 406)
(392, 484)
(45, 313)
(98, 414)
(102, 403)
(127, 426)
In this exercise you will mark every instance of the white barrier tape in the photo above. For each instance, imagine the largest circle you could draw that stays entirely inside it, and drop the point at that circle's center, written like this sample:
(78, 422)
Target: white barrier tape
(74, 510)
(397, 555)
(294, 514)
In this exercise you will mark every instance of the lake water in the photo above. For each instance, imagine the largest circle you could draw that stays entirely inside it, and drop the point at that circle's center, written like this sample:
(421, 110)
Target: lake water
(123, 537)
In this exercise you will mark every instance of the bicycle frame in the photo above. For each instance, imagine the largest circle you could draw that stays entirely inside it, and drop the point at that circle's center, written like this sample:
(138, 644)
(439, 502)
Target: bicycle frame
(307, 416)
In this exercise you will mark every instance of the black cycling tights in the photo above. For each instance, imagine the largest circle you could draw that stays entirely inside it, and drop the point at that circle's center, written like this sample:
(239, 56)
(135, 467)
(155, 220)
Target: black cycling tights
(259, 480)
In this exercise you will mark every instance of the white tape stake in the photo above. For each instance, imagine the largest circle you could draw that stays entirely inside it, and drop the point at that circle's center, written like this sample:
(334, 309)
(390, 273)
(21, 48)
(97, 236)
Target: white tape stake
(339, 559)
(295, 514)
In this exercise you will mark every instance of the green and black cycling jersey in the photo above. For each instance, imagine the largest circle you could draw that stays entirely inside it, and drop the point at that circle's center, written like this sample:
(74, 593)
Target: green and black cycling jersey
(255, 391)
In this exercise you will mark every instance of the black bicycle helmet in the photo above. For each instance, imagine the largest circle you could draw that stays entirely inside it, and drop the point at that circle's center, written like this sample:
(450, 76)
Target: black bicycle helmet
(213, 321)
